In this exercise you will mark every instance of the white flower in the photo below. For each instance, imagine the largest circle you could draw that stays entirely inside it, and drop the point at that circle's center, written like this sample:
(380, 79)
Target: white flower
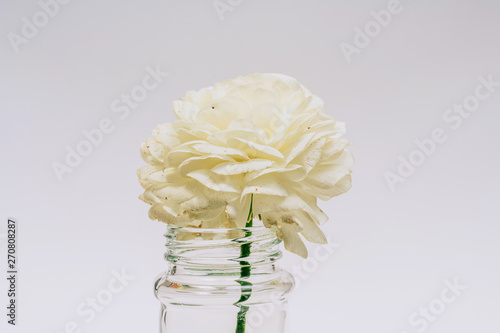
(262, 134)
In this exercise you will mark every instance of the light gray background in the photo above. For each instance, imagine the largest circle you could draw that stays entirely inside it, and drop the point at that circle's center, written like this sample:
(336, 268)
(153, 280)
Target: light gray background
(396, 248)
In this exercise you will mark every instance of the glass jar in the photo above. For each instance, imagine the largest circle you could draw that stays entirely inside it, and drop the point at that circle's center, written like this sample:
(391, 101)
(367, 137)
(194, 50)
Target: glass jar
(222, 280)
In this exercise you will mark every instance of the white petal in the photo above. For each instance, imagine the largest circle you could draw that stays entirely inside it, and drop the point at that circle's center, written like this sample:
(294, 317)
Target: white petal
(222, 111)
(153, 152)
(206, 214)
(207, 148)
(201, 162)
(265, 185)
(217, 222)
(175, 192)
(328, 180)
(293, 243)
(292, 202)
(214, 181)
(291, 173)
(201, 202)
(310, 229)
(185, 110)
(268, 117)
(333, 149)
(291, 151)
(150, 174)
(180, 154)
(255, 150)
(286, 230)
(157, 212)
(238, 211)
(264, 96)
(236, 168)
(329, 186)
(310, 156)
(222, 138)
(166, 135)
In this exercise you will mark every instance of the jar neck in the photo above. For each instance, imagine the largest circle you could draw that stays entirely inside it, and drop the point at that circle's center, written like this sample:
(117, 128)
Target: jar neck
(225, 250)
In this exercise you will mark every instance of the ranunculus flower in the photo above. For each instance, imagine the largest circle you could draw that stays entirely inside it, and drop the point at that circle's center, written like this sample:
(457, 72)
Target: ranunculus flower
(261, 136)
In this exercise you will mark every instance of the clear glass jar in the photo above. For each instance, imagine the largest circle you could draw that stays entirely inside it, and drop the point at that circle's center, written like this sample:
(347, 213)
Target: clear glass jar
(222, 280)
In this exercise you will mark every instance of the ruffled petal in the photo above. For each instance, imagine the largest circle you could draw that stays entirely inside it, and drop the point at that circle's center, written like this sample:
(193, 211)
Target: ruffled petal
(201, 162)
(238, 168)
(286, 230)
(326, 181)
(214, 181)
(255, 150)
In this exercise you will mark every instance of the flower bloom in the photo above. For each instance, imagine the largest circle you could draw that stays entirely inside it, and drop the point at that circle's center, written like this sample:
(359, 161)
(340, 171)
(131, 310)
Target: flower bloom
(261, 137)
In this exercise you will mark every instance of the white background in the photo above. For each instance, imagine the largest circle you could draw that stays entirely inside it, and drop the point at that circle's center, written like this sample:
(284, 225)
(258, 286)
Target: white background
(396, 247)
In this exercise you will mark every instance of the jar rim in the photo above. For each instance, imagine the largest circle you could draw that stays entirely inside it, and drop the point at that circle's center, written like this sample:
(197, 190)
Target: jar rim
(217, 230)
(217, 235)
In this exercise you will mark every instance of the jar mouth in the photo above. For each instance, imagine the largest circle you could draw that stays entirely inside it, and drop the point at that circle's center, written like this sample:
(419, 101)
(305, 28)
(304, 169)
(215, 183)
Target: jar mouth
(258, 228)
(199, 245)
(221, 233)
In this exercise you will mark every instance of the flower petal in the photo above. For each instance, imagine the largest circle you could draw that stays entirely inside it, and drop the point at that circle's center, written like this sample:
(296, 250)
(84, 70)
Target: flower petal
(214, 181)
(310, 229)
(265, 185)
(286, 230)
(201, 162)
(255, 150)
(153, 152)
(310, 156)
(158, 212)
(207, 148)
(328, 180)
(237, 168)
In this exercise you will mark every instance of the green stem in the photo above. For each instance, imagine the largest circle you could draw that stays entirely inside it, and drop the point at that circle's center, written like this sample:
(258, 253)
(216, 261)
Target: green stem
(244, 273)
